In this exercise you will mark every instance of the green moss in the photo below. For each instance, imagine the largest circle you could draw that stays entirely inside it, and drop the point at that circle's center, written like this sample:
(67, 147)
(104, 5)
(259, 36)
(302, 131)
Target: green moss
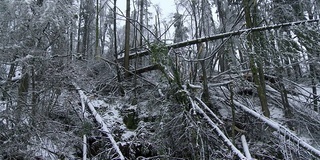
(130, 120)
(87, 127)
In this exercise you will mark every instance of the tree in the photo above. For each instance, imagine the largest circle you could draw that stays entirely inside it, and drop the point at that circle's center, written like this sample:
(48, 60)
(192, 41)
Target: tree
(97, 52)
(115, 38)
(36, 37)
(127, 39)
(256, 65)
(86, 17)
(49, 100)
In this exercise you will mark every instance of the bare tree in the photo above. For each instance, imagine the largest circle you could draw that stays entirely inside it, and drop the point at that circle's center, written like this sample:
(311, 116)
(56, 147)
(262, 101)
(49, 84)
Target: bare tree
(127, 39)
(255, 62)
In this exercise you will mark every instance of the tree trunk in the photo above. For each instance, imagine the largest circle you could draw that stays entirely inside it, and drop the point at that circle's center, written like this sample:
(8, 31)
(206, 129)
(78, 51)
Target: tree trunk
(22, 95)
(223, 54)
(115, 38)
(97, 54)
(71, 41)
(141, 22)
(205, 95)
(314, 87)
(127, 39)
(85, 37)
(79, 27)
(197, 35)
(256, 65)
(34, 96)
(225, 35)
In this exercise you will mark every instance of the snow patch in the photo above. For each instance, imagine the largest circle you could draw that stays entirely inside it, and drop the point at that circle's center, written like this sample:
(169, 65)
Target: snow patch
(277, 113)
(3, 105)
(99, 104)
(44, 148)
(127, 135)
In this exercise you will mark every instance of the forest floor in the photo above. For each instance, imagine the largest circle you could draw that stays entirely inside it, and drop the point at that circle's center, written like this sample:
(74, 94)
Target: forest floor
(141, 118)
(145, 117)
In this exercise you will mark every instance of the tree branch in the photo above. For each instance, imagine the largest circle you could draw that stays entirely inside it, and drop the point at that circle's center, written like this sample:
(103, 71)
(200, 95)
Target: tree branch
(283, 130)
(221, 36)
(99, 119)
(219, 132)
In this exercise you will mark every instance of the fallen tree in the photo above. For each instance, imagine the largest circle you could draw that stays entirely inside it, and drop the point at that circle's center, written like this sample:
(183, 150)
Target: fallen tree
(220, 133)
(99, 119)
(219, 36)
(281, 129)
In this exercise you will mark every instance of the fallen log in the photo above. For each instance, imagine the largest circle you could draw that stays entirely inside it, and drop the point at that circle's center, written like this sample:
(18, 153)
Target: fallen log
(245, 147)
(282, 130)
(218, 131)
(219, 36)
(99, 119)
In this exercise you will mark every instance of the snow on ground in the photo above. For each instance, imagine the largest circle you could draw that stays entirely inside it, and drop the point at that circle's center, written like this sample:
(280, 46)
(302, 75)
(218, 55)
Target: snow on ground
(17, 74)
(306, 91)
(3, 105)
(43, 148)
(111, 115)
(99, 104)
(305, 97)
(128, 135)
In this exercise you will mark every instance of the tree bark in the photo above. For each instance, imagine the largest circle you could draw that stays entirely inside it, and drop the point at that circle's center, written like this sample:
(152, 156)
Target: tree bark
(22, 94)
(141, 22)
(256, 65)
(79, 27)
(314, 87)
(115, 38)
(222, 35)
(127, 39)
(280, 129)
(223, 62)
(97, 54)
(104, 129)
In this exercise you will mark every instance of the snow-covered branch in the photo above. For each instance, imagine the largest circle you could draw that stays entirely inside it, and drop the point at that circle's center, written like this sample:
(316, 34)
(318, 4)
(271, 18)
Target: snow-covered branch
(99, 119)
(283, 130)
(84, 147)
(245, 147)
(219, 132)
(208, 109)
(220, 84)
(221, 36)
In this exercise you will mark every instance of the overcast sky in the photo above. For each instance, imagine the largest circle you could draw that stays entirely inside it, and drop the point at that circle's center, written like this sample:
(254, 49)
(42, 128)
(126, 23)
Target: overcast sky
(167, 9)
(167, 6)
